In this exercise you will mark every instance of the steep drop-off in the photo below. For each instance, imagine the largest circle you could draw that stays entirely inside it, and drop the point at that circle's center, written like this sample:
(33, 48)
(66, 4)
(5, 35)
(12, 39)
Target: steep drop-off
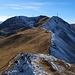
(63, 39)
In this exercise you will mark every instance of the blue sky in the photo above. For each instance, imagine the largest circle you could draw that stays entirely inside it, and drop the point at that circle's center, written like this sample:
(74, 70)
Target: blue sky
(64, 8)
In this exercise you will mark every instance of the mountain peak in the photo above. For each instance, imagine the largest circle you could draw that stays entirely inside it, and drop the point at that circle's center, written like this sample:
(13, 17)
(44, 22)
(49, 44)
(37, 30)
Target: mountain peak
(15, 23)
(63, 41)
(58, 19)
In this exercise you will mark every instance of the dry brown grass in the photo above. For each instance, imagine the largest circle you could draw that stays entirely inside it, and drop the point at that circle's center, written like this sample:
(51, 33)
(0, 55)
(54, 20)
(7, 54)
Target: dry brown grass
(67, 68)
(48, 67)
(28, 41)
(43, 21)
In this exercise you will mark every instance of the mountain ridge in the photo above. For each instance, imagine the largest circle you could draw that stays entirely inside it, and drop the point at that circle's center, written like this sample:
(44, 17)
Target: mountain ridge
(13, 24)
(52, 36)
(63, 42)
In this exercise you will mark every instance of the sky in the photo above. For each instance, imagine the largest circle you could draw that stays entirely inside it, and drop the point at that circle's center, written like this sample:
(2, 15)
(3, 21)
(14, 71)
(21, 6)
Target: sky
(63, 8)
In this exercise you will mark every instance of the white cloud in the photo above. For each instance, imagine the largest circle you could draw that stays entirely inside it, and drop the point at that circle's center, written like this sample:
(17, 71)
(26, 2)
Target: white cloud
(31, 5)
(74, 20)
(20, 6)
(71, 21)
(3, 18)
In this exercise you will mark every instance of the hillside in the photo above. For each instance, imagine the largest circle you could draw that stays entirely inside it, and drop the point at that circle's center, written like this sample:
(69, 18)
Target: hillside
(49, 41)
(13, 24)
(29, 41)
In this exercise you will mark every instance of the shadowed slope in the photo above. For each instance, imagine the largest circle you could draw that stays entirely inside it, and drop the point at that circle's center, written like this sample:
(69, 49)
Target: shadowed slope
(63, 39)
(14, 24)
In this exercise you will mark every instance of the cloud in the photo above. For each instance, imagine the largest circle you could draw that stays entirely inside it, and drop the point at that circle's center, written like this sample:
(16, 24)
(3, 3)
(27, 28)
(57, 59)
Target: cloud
(30, 5)
(71, 21)
(21, 7)
(74, 20)
(27, 5)
(3, 18)
(36, 6)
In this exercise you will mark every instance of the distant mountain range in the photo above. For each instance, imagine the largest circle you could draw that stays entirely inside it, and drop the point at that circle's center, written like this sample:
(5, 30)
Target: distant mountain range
(49, 36)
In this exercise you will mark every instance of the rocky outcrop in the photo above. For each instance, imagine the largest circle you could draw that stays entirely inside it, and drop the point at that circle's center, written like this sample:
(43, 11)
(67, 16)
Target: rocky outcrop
(36, 64)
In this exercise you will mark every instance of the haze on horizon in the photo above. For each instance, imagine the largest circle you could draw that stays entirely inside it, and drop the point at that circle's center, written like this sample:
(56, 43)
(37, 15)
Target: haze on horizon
(64, 8)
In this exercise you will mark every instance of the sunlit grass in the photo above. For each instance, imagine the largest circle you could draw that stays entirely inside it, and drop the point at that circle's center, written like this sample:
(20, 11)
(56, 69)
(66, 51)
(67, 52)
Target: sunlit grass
(28, 41)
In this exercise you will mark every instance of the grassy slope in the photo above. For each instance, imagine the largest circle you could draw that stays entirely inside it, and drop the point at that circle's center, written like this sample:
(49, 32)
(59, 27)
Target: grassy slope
(29, 41)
